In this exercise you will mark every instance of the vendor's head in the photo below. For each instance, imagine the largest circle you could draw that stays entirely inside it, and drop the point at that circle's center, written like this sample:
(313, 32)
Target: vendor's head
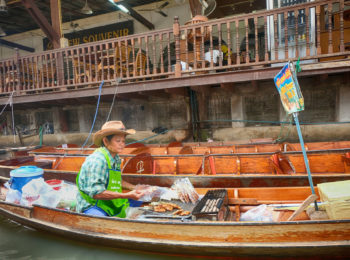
(112, 136)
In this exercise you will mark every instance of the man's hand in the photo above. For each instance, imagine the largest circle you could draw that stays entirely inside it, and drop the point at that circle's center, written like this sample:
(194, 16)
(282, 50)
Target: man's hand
(135, 194)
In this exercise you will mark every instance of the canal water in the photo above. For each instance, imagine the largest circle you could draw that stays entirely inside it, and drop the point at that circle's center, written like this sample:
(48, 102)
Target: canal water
(21, 243)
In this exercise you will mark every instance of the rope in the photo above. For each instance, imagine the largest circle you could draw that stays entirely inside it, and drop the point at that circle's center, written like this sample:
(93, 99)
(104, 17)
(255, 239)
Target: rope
(8, 101)
(115, 93)
(13, 119)
(271, 122)
(279, 138)
(93, 123)
(150, 137)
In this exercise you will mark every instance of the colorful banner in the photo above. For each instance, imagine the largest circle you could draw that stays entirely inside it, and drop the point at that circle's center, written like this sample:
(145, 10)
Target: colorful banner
(288, 87)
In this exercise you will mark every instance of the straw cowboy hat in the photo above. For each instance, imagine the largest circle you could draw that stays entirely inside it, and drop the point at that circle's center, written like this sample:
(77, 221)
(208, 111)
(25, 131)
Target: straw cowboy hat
(111, 128)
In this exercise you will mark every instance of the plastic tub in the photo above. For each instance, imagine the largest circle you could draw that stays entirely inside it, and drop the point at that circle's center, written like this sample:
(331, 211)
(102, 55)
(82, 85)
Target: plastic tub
(24, 174)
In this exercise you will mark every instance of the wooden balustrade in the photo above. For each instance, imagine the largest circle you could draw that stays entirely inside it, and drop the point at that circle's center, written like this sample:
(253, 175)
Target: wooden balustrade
(315, 30)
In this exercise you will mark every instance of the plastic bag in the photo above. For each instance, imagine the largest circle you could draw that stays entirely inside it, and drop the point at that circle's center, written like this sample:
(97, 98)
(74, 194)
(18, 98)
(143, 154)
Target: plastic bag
(68, 193)
(259, 213)
(170, 194)
(37, 191)
(133, 212)
(13, 196)
(150, 192)
(185, 190)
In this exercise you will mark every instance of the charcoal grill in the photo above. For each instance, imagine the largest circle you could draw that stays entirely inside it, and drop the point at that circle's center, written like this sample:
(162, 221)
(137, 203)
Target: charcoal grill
(213, 206)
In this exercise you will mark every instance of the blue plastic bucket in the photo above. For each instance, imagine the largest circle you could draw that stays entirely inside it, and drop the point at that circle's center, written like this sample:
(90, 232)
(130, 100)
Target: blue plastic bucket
(24, 174)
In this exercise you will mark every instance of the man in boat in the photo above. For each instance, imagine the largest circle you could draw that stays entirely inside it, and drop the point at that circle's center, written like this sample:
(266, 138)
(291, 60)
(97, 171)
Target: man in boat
(99, 180)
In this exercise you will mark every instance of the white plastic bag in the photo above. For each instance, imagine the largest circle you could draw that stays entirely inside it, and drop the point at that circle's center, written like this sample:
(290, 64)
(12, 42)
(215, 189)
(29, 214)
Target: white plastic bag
(150, 192)
(13, 196)
(68, 194)
(37, 191)
(133, 212)
(259, 213)
(185, 190)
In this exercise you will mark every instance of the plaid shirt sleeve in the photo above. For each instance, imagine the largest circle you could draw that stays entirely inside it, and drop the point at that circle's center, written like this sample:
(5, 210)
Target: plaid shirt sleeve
(93, 177)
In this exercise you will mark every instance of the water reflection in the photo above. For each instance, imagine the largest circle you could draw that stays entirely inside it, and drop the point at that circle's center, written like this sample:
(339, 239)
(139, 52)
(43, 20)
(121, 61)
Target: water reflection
(21, 243)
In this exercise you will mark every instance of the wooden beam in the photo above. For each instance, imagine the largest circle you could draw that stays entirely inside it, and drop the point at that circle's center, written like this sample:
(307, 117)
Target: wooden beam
(41, 20)
(228, 87)
(155, 93)
(177, 91)
(325, 65)
(16, 45)
(132, 96)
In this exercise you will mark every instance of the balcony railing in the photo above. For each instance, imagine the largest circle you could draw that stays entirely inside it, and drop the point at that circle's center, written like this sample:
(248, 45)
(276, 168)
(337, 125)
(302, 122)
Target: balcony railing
(312, 31)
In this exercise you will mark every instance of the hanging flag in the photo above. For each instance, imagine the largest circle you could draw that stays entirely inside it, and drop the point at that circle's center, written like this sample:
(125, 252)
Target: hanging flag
(289, 90)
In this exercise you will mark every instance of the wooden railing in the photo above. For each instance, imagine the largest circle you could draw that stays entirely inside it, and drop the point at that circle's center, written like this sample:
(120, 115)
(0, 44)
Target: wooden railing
(313, 31)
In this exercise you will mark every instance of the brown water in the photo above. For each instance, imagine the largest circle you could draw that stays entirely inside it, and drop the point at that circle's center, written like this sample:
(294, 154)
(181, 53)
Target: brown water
(21, 243)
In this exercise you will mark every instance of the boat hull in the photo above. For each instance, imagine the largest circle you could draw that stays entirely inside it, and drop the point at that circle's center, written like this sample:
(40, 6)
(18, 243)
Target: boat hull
(287, 239)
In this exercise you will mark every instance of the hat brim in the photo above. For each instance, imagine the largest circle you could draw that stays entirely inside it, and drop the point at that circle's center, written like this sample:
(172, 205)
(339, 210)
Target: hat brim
(98, 136)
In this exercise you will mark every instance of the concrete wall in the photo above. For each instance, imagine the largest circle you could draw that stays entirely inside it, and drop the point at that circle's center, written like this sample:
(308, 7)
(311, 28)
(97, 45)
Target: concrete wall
(71, 124)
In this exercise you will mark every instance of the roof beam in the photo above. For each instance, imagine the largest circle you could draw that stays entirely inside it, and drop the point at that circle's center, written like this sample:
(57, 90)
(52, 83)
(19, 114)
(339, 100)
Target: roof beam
(136, 15)
(41, 20)
(16, 45)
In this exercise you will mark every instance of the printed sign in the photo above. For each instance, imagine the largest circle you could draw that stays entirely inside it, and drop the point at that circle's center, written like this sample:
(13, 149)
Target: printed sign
(95, 34)
(288, 87)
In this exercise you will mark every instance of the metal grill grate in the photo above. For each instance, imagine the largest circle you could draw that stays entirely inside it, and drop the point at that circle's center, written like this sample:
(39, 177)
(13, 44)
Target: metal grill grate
(211, 205)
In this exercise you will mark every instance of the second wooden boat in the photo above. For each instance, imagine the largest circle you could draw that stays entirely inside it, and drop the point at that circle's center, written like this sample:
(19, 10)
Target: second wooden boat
(209, 170)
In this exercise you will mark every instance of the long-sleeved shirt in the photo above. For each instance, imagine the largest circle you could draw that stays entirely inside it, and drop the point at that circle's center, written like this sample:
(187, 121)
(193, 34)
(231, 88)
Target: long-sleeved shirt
(93, 178)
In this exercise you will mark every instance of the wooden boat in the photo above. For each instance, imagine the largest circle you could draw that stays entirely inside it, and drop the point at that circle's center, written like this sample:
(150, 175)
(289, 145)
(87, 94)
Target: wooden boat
(208, 170)
(199, 148)
(301, 237)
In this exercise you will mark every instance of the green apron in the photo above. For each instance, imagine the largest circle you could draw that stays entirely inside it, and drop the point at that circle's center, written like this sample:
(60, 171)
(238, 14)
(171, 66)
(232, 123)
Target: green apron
(115, 207)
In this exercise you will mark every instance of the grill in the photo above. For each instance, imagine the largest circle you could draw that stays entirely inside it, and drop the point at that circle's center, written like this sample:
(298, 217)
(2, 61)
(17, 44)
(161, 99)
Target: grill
(213, 206)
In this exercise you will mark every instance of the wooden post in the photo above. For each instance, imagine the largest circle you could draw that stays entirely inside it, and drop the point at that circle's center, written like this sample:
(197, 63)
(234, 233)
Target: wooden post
(176, 31)
(265, 32)
(246, 23)
(56, 18)
(285, 18)
(237, 43)
(330, 40)
(275, 16)
(17, 77)
(341, 29)
(55, 6)
(307, 32)
(318, 31)
(256, 39)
